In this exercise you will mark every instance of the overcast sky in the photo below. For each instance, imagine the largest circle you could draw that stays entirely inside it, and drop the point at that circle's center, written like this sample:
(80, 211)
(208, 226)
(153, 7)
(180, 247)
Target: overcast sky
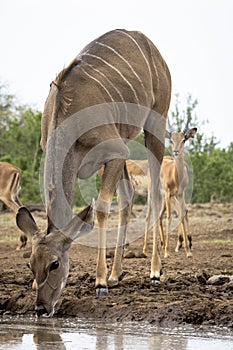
(195, 37)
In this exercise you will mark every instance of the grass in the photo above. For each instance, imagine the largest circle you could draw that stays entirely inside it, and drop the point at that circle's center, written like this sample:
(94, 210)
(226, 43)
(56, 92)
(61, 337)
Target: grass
(224, 210)
(10, 238)
(217, 241)
(6, 217)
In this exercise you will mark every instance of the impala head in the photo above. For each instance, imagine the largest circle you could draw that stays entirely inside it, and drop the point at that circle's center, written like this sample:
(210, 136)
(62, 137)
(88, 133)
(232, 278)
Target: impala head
(49, 260)
(178, 140)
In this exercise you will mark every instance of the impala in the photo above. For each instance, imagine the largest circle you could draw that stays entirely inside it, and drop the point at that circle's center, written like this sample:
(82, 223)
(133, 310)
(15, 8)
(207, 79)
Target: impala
(139, 175)
(174, 181)
(117, 85)
(10, 181)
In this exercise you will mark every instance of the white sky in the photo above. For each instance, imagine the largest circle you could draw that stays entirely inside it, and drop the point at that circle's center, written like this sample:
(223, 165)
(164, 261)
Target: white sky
(195, 37)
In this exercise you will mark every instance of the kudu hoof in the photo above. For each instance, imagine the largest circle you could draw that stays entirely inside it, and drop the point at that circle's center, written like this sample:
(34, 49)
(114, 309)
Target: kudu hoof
(101, 292)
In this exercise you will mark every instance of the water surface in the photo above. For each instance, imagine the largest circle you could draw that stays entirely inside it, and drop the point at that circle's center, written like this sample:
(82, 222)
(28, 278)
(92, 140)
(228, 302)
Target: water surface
(20, 333)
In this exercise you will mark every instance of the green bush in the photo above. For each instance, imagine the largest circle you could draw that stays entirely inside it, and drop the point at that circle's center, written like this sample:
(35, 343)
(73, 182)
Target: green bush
(20, 145)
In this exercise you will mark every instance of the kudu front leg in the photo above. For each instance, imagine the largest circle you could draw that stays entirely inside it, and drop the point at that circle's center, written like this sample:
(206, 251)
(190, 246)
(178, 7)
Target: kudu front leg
(111, 175)
(148, 227)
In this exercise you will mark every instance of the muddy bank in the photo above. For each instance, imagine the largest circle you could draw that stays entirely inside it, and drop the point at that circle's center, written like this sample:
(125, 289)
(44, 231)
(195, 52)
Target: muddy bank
(187, 293)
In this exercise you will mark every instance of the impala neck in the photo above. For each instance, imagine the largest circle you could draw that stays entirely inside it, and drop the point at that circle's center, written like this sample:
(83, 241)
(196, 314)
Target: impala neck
(180, 168)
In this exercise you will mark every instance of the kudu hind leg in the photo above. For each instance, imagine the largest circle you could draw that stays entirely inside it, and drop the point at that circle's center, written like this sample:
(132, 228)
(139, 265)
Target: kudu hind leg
(111, 175)
(161, 231)
(148, 226)
(125, 193)
(155, 156)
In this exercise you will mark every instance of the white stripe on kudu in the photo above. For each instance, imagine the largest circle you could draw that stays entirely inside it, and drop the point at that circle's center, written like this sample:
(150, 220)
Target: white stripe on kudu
(156, 72)
(147, 63)
(109, 81)
(117, 70)
(99, 82)
(128, 64)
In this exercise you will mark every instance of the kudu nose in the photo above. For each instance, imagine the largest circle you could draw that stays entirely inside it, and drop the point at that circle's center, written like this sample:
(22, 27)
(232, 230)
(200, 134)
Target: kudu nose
(176, 153)
(40, 310)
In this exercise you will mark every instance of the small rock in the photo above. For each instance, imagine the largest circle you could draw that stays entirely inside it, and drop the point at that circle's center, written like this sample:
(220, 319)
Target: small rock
(218, 280)
(129, 255)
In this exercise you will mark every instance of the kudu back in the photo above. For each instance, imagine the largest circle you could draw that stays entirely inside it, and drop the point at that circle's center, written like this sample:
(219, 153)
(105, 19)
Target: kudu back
(118, 85)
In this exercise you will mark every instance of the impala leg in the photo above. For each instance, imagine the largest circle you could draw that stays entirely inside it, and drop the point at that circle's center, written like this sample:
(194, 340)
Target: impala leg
(125, 196)
(14, 204)
(179, 238)
(111, 175)
(184, 222)
(22, 237)
(22, 241)
(187, 236)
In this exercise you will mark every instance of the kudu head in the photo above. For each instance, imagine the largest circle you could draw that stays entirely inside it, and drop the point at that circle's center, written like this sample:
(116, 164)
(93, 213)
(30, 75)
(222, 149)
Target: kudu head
(49, 259)
(178, 139)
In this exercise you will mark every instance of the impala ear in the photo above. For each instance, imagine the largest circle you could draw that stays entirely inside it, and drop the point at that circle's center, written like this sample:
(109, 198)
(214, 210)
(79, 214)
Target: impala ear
(190, 133)
(81, 224)
(25, 221)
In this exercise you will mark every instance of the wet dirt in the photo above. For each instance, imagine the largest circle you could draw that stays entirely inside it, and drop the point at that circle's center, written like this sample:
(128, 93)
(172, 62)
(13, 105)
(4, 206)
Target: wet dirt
(186, 294)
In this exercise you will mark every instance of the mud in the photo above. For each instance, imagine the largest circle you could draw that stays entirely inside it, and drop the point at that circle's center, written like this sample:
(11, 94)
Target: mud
(188, 293)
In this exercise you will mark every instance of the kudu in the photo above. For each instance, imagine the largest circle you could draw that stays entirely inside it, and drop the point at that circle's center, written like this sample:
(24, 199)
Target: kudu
(10, 181)
(118, 85)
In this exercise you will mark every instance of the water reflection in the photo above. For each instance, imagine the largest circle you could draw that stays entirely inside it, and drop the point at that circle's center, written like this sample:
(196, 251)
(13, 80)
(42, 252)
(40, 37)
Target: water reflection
(69, 334)
(42, 338)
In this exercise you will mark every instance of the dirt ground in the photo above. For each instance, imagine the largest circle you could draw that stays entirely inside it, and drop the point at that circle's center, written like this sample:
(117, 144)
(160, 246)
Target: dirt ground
(186, 293)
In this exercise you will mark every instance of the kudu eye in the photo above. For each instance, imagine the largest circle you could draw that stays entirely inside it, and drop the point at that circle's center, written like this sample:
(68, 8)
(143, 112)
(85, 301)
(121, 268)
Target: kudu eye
(54, 265)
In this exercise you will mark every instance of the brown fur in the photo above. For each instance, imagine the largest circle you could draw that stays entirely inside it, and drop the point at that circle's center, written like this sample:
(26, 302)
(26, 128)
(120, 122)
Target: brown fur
(121, 67)
(10, 182)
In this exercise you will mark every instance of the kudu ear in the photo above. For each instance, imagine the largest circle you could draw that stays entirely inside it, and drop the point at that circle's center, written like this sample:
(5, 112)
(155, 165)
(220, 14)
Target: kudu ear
(190, 133)
(81, 224)
(25, 221)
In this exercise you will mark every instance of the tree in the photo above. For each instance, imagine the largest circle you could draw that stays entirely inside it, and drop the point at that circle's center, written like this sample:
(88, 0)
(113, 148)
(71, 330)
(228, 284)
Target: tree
(212, 167)
(7, 109)
(179, 119)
